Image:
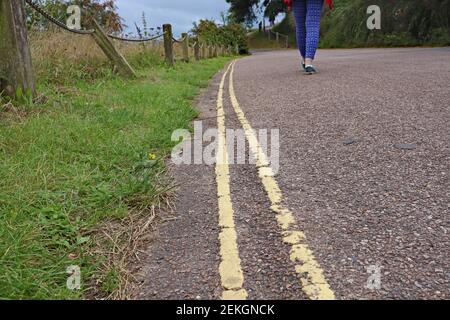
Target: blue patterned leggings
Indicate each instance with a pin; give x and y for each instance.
(307, 15)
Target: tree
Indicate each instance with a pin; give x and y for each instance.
(244, 11)
(273, 8)
(104, 11)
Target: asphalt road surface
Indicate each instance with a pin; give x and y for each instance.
(360, 206)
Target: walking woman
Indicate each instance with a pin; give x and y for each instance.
(307, 15)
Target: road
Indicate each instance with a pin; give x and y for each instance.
(360, 206)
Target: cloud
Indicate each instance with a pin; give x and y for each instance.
(180, 13)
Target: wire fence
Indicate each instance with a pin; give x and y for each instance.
(63, 26)
(17, 47)
(158, 36)
(278, 37)
(49, 17)
(173, 49)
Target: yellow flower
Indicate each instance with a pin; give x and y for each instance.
(151, 156)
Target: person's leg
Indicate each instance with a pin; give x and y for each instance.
(313, 15)
(299, 10)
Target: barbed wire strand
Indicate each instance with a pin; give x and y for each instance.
(180, 40)
(46, 15)
(136, 40)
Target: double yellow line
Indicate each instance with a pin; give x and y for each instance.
(311, 275)
(230, 270)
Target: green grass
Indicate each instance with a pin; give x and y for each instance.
(260, 40)
(82, 160)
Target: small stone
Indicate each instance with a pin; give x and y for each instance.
(349, 141)
(406, 146)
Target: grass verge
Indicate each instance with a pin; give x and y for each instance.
(79, 170)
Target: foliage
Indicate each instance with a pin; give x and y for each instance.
(273, 8)
(243, 11)
(403, 22)
(104, 11)
(230, 34)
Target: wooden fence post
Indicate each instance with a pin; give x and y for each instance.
(185, 46)
(168, 44)
(202, 51)
(111, 52)
(16, 70)
(197, 51)
(210, 51)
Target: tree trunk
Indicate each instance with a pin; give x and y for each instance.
(16, 70)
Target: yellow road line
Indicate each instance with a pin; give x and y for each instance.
(230, 270)
(311, 275)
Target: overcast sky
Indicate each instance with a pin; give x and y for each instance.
(180, 13)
